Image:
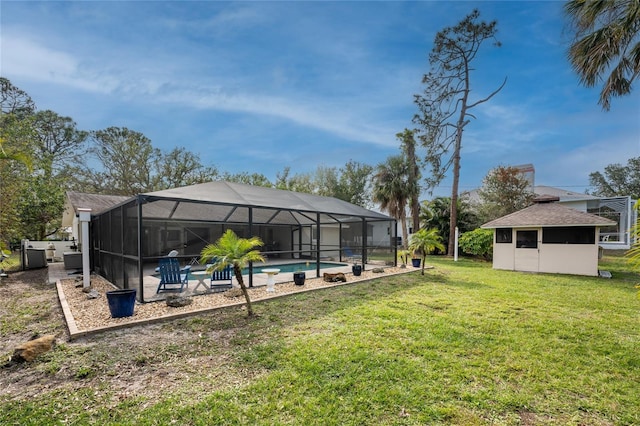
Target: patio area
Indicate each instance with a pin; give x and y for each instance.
(151, 279)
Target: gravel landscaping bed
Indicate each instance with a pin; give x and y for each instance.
(89, 314)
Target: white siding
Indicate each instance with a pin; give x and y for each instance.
(579, 259)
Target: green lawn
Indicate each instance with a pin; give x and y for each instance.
(463, 344)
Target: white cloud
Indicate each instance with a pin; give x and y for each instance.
(21, 56)
(128, 77)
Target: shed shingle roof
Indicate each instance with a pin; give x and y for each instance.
(548, 214)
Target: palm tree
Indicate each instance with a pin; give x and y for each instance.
(235, 251)
(391, 190)
(606, 42)
(408, 146)
(424, 242)
(436, 214)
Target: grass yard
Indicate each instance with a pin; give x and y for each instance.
(463, 344)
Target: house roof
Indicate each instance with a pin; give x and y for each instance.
(540, 190)
(548, 214)
(96, 202)
(563, 194)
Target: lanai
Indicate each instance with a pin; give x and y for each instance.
(137, 232)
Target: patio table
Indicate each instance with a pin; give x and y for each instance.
(201, 276)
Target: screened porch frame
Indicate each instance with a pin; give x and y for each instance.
(122, 257)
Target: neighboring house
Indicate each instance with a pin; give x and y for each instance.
(619, 209)
(548, 237)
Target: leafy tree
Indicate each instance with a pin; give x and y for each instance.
(234, 251)
(126, 159)
(424, 242)
(354, 183)
(40, 207)
(445, 105)
(59, 142)
(297, 183)
(326, 181)
(349, 183)
(392, 191)
(256, 179)
(618, 180)
(180, 167)
(19, 157)
(14, 100)
(408, 146)
(504, 190)
(126, 163)
(478, 242)
(436, 214)
(16, 155)
(14, 170)
(607, 42)
(56, 145)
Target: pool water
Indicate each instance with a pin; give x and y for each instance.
(293, 267)
(284, 268)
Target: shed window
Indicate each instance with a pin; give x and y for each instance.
(504, 235)
(527, 239)
(569, 235)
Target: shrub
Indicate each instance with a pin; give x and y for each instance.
(478, 242)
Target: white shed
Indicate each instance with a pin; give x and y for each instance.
(547, 237)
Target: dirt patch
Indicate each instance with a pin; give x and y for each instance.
(185, 357)
(29, 308)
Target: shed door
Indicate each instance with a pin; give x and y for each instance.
(527, 253)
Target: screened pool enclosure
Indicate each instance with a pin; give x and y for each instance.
(128, 239)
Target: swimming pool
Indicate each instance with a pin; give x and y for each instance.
(293, 267)
(284, 268)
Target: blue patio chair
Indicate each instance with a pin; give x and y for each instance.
(349, 255)
(172, 277)
(221, 276)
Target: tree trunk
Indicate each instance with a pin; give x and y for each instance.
(415, 213)
(414, 173)
(453, 223)
(238, 273)
(453, 219)
(403, 223)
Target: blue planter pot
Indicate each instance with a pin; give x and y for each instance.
(121, 302)
(357, 270)
(416, 262)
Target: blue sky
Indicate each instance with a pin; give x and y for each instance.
(258, 86)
